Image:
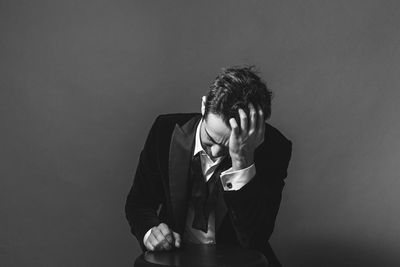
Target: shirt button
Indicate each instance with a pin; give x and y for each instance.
(229, 185)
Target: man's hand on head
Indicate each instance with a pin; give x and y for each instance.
(162, 238)
(246, 138)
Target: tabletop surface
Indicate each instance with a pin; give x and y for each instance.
(203, 255)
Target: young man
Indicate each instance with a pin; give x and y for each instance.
(214, 177)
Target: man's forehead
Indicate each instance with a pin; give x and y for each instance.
(216, 128)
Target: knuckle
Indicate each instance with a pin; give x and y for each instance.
(160, 235)
(168, 234)
(153, 241)
(162, 238)
(157, 236)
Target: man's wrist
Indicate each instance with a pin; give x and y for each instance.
(241, 163)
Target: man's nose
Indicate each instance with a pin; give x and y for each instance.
(217, 151)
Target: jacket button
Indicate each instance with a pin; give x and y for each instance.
(229, 185)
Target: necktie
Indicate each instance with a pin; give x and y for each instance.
(204, 195)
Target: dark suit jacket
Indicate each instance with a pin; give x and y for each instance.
(160, 190)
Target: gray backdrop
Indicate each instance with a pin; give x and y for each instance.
(82, 81)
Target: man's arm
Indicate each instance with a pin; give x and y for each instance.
(253, 207)
(144, 197)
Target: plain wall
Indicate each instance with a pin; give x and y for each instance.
(82, 81)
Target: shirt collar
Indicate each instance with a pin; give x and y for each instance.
(197, 143)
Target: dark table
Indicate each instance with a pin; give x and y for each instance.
(202, 255)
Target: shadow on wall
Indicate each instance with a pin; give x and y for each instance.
(326, 253)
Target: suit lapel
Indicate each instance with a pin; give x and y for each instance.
(180, 156)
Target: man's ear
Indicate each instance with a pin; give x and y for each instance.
(203, 105)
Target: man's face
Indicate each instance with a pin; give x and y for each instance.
(214, 136)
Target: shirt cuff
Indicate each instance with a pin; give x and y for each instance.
(234, 180)
(146, 236)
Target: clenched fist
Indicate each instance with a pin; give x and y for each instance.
(162, 238)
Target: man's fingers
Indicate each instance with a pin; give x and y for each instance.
(152, 243)
(162, 238)
(243, 121)
(177, 238)
(161, 241)
(148, 243)
(166, 245)
(166, 232)
(253, 119)
(234, 126)
(157, 234)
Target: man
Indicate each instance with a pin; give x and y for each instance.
(214, 177)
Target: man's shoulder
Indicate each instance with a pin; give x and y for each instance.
(165, 123)
(274, 154)
(275, 135)
(275, 143)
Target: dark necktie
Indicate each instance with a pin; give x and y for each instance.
(204, 194)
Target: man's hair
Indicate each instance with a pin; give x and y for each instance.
(235, 88)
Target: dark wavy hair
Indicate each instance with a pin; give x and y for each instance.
(235, 88)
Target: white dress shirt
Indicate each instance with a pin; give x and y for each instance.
(231, 181)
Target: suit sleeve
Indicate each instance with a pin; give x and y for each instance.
(254, 207)
(144, 197)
